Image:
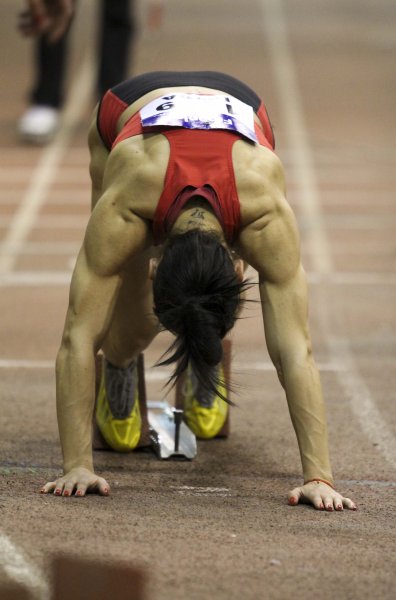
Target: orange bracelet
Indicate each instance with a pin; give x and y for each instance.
(321, 480)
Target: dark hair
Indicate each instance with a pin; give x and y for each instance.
(197, 296)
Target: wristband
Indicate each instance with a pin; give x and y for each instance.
(321, 481)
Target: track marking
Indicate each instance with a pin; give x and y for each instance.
(74, 222)
(300, 154)
(368, 483)
(17, 568)
(45, 173)
(68, 173)
(268, 366)
(362, 403)
(352, 278)
(303, 171)
(62, 278)
(76, 197)
(12, 561)
(157, 373)
(190, 490)
(45, 248)
(35, 278)
(338, 222)
(26, 364)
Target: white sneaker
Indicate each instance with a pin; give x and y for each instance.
(39, 124)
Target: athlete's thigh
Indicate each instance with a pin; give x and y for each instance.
(134, 324)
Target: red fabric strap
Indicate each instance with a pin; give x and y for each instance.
(111, 108)
(204, 192)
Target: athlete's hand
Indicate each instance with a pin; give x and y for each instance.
(51, 17)
(321, 495)
(78, 481)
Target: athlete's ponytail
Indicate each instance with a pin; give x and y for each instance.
(197, 296)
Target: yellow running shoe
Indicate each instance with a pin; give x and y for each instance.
(117, 407)
(204, 413)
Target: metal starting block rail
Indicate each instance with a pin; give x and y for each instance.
(170, 436)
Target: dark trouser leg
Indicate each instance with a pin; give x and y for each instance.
(116, 34)
(50, 63)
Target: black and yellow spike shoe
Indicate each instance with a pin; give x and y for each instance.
(204, 413)
(117, 407)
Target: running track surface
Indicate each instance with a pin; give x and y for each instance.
(219, 527)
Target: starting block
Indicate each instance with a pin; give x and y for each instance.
(163, 428)
(170, 436)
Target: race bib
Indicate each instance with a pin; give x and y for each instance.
(196, 111)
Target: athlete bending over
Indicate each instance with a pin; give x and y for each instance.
(185, 189)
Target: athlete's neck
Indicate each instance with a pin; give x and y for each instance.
(197, 215)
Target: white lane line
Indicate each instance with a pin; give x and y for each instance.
(367, 482)
(294, 122)
(13, 363)
(268, 366)
(12, 561)
(14, 153)
(362, 402)
(17, 568)
(337, 222)
(62, 278)
(362, 222)
(78, 196)
(46, 171)
(158, 373)
(190, 490)
(49, 248)
(352, 278)
(70, 197)
(354, 194)
(35, 278)
(56, 222)
(368, 248)
(67, 174)
(355, 389)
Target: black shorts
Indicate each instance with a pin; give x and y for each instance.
(131, 90)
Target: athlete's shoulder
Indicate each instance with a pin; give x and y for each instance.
(257, 168)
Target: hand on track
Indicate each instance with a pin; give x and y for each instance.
(321, 495)
(78, 481)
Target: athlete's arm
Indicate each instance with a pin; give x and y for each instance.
(271, 246)
(112, 237)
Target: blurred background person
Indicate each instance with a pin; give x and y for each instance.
(50, 21)
(46, 16)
